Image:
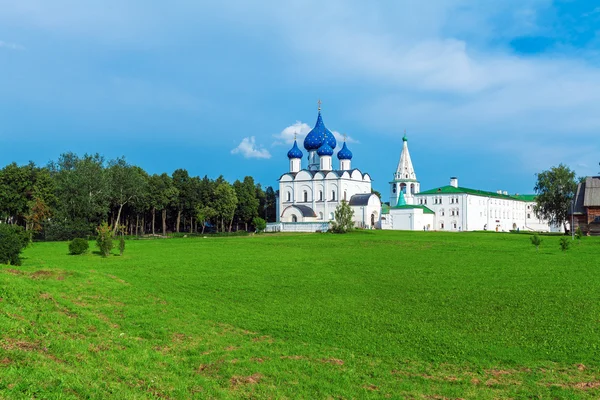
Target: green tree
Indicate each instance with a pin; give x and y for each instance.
(270, 204)
(225, 203)
(555, 189)
(260, 224)
(82, 188)
(247, 202)
(185, 194)
(162, 194)
(343, 218)
(205, 214)
(126, 182)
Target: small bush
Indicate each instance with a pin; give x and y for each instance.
(578, 233)
(342, 222)
(565, 243)
(78, 246)
(13, 239)
(121, 244)
(260, 224)
(536, 240)
(104, 240)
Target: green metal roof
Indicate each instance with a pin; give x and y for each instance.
(526, 197)
(457, 190)
(411, 206)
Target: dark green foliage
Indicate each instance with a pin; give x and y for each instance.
(13, 239)
(61, 229)
(536, 240)
(343, 218)
(555, 189)
(565, 243)
(260, 224)
(78, 246)
(104, 240)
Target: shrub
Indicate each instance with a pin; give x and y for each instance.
(13, 239)
(536, 240)
(78, 246)
(343, 218)
(578, 233)
(104, 240)
(260, 224)
(121, 244)
(565, 243)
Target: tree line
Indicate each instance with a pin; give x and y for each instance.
(70, 197)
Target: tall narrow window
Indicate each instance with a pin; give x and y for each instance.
(305, 196)
(320, 195)
(345, 196)
(289, 196)
(333, 195)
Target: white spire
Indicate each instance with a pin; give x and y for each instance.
(405, 168)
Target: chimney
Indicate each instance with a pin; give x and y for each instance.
(454, 181)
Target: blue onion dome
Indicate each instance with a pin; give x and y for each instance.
(318, 135)
(344, 153)
(295, 152)
(325, 150)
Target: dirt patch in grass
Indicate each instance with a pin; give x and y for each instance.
(41, 274)
(46, 296)
(587, 385)
(259, 359)
(5, 361)
(245, 380)
(293, 357)
(18, 344)
(335, 361)
(13, 271)
(210, 369)
(371, 388)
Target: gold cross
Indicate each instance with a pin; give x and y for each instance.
(295, 135)
(319, 103)
(345, 136)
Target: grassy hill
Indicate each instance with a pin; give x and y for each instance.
(369, 314)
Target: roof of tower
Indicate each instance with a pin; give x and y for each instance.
(325, 149)
(405, 169)
(295, 152)
(344, 153)
(318, 135)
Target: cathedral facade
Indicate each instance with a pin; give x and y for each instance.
(308, 196)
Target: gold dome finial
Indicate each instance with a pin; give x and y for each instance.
(319, 103)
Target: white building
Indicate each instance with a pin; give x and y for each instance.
(308, 197)
(455, 208)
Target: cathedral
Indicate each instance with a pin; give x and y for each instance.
(308, 196)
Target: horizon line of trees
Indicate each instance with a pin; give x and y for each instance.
(73, 195)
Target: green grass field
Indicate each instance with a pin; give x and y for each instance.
(366, 315)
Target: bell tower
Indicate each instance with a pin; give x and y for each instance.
(405, 180)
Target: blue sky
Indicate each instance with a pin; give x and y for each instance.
(491, 92)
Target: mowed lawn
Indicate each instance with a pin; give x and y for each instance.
(365, 315)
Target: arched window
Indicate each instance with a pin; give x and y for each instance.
(321, 216)
(393, 188)
(289, 196)
(331, 216)
(294, 218)
(412, 188)
(305, 194)
(320, 195)
(345, 196)
(333, 195)
(403, 188)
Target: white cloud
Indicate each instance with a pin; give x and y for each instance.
(301, 129)
(249, 149)
(11, 46)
